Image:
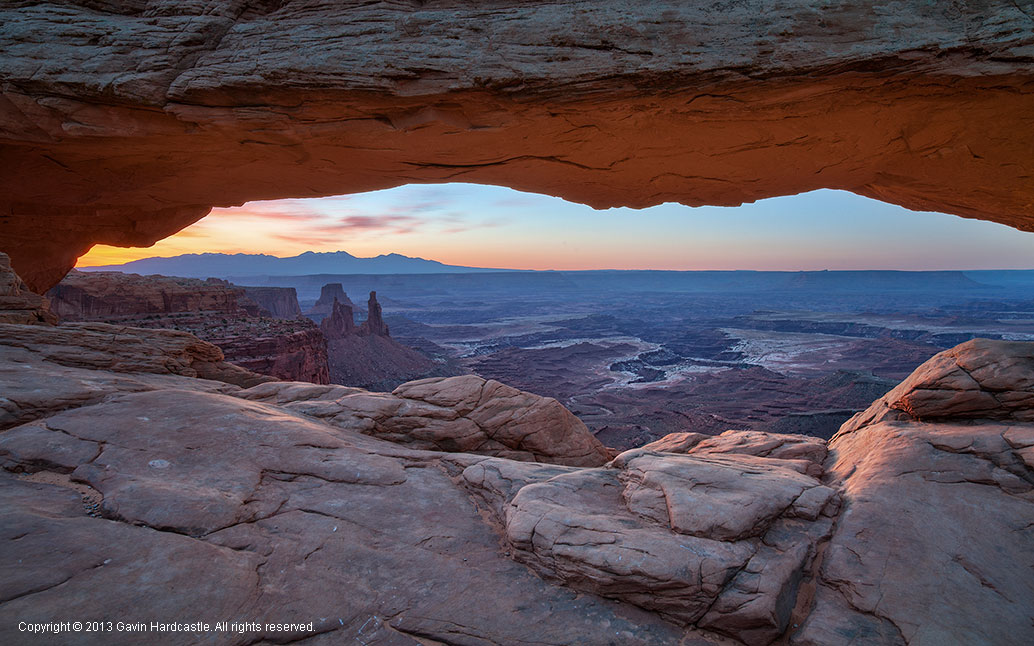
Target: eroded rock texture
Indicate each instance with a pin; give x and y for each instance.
(194, 104)
(280, 302)
(461, 414)
(19, 304)
(938, 479)
(365, 355)
(94, 359)
(324, 305)
(718, 542)
(214, 310)
(143, 478)
(111, 295)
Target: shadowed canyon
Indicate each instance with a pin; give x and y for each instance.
(511, 458)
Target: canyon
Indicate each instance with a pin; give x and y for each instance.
(638, 355)
(259, 328)
(230, 317)
(910, 526)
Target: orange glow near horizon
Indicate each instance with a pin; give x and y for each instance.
(487, 226)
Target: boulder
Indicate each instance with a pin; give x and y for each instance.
(717, 542)
(459, 414)
(979, 379)
(935, 544)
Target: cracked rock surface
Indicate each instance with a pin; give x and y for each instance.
(215, 507)
(132, 489)
(19, 304)
(717, 542)
(462, 414)
(935, 542)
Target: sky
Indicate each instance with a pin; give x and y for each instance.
(491, 226)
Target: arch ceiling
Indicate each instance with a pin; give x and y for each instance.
(123, 122)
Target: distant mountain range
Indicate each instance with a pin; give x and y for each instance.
(221, 265)
(321, 268)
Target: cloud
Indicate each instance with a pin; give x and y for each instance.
(429, 211)
(272, 210)
(372, 223)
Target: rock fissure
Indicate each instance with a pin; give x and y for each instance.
(51, 586)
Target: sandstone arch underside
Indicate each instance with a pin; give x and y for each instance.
(123, 122)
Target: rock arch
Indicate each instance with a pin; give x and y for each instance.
(122, 123)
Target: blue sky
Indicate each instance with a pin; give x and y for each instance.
(489, 226)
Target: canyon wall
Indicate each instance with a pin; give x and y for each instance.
(329, 294)
(198, 104)
(280, 302)
(111, 295)
(214, 310)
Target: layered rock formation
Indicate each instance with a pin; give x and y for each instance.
(324, 306)
(374, 324)
(340, 323)
(18, 304)
(463, 414)
(279, 302)
(371, 516)
(292, 349)
(214, 310)
(112, 295)
(195, 104)
(939, 475)
(365, 355)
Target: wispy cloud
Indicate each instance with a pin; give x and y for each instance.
(275, 210)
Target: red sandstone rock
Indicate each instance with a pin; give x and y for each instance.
(274, 518)
(147, 117)
(466, 413)
(214, 310)
(294, 350)
(112, 295)
(365, 355)
(324, 305)
(17, 303)
(279, 302)
(934, 543)
(979, 379)
(116, 348)
(340, 323)
(801, 452)
(597, 530)
(374, 324)
(121, 473)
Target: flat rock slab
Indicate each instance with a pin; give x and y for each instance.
(219, 508)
